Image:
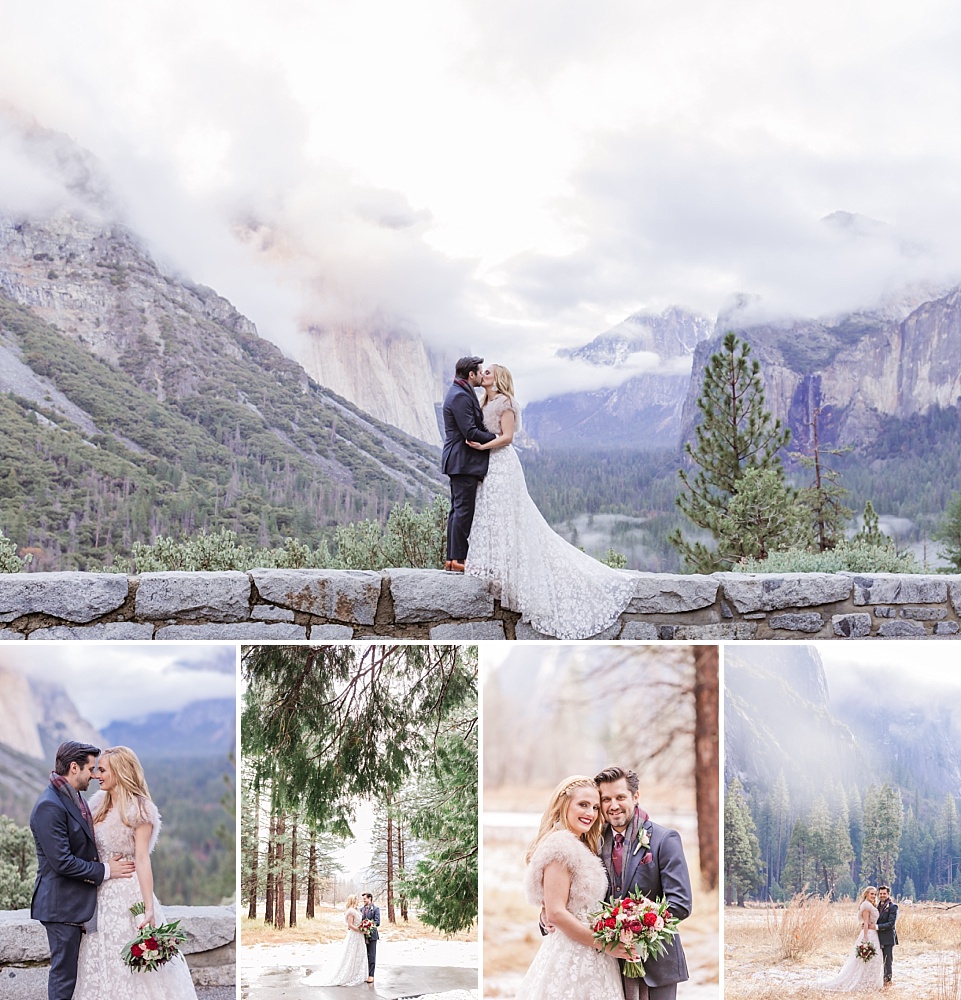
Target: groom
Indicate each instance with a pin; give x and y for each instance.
(371, 912)
(464, 466)
(640, 854)
(68, 868)
(887, 935)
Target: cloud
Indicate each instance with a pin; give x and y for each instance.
(120, 681)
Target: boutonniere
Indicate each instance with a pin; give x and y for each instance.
(643, 839)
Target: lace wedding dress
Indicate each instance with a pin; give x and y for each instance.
(564, 969)
(559, 589)
(101, 974)
(351, 970)
(856, 975)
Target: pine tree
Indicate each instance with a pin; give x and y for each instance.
(798, 870)
(824, 497)
(735, 433)
(883, 820)
(948, 533)
(743, 870)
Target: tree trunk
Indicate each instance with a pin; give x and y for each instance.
(391, 917)
(706, 760)
(271, 837)
(311, 877)
(254, 865)
(292, 918)
(280, 865)
(400, 866)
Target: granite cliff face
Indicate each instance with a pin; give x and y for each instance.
(388, 371)
(652, 401)
(857, 369)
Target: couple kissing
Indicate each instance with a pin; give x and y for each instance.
(595, 844)
(496, 532)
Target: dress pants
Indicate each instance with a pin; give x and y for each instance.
(371, 957)
(64, 942)
(463, 495)
(637, 989)
(887, 950)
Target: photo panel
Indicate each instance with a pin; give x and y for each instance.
(118, 758)
(842, 843)
(359, 821)
(556, 718)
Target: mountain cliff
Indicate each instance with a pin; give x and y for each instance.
(201, 728)
(138, 402)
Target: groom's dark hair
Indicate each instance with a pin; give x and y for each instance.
(615, 773)
(465, 366)
(887, 888)
(72, 751)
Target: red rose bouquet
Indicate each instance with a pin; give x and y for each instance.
(367, 927)
(643, 926)
(865, 951)
(153, 946)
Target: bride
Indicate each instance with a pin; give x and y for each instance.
(126, 823)
(856, 974)
(559, 589)
(567, 879)
(352, 968)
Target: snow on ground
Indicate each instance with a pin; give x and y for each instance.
(462, 954)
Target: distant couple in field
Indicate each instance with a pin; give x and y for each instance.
(612, 885)
(93, 865)
(869, 964)
(495, 530)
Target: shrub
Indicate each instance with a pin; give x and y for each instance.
(799, 927)
(417, 539)
(220, 551)
(850, 555)
(10, 562)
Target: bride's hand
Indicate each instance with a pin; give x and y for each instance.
(475, 444)
(622, 952)
(146, 918)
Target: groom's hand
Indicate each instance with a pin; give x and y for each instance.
(545, 925)
(120, 868)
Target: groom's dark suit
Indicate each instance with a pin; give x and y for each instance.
(65, 892)
(657, 870)
(465, 466)
(371, 912)
(887, 935)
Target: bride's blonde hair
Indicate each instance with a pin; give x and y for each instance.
(130, 786)
(864, 895)
(351, 902)
(504, 383)
(555, 815)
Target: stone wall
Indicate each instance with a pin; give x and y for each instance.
(331, 605)
(210, 948)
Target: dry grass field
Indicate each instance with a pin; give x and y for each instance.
(327, 927)
(773, 953)
(511, 935)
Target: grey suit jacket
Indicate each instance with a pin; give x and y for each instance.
(659, 871)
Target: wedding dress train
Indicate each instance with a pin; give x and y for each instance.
(560, 590)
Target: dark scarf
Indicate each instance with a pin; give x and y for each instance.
(463, 382)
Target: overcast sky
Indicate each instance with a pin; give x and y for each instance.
(509, 177)
(118, 681)
(898, 675)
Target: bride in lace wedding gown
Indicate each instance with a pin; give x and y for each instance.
(567, 879)
(856, 975)
(351, 970)
(559, 589)
(126, 823)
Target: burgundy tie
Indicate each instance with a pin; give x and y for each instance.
(617, 855)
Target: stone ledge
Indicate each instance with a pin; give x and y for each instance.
(336, 606)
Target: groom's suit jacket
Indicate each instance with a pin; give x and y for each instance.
(660, 870)
(464, 421)
(68, 867)
(887, 935)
